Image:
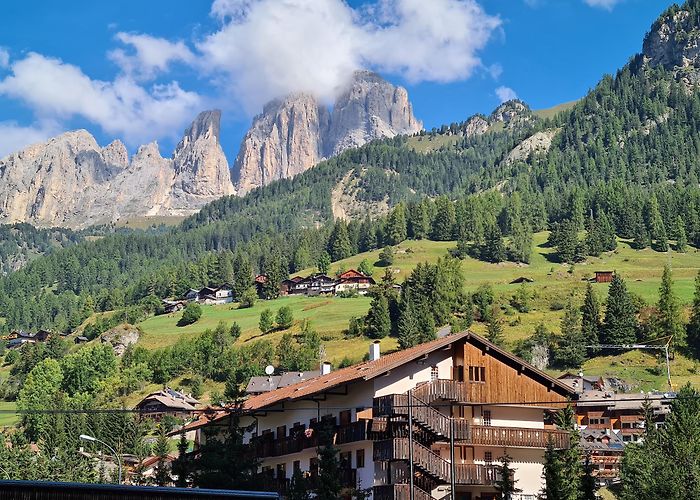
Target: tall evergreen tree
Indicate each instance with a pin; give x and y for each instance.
(444, 220)
(494, 328)
(395, 231)
(329, 484)
(505, 484)
(668, 320)
(378, 321)
(681, 236)
(274, 267)
(161, 449)
(620, 324)
(693, 328)
(520, 248)
(571, 350)
(339, 246)
(590, 317)
(493, 249)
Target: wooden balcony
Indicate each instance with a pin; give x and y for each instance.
(449, 390)
(428, 462)
(516, 437)
(267, 446)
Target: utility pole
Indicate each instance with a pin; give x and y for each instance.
(626, 347)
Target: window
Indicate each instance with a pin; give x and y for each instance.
(486, 418)
(360, 458)
(477, 374)
(488, 457)
(281, 432)
(297, 465)
(281, 471)
(313, 466)
(345, 460)
(434, 374)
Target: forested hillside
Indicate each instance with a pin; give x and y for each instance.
(627, 154)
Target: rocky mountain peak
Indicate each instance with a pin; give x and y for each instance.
(294, 133)
(511, 112)
(71, 181)
(206, 125)
(674, 42)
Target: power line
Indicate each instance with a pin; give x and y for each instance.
(666, 398)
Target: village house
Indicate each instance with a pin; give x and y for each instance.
(603, 276)
(469, 402)
(621, 413)
(167, 402)
(354, 280)
(222, 294)
(18, 338)
(580, 382)
(258, 385)
(604, 449)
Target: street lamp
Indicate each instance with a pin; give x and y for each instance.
(85, 437)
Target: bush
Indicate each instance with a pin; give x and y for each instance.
(557, 305)
(285, 318)
(355, 327)
(191, 314)
(348, 294)
(235, 331)
(386, 257)
(266, 321)
(248, 298)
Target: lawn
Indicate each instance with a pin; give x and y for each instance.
(328, 315)
(7, 419)
(554, 285)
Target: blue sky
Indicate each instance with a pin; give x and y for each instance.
(139, 71)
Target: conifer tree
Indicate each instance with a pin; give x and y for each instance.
(593, 242)
(329, 485)
(620, 324)
(367, 238)
(323, 263)
(418, 223)
(589, 483)
(571, 350)
(520, 248)
(668, 320)
(395, 231)
(606, 232)
(505, 484)
(242, 275)
(641, 236)
(590, 317)
(339, 246)
(493, 249)
(266, 323)
(444, 220)
(693, 328)
(274, 267)
(378, 321)
(299, 488)
(161, 450)
(408, 327)
(494, 328)
(681, 236)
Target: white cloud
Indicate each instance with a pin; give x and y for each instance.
(495, 70)
(57, 91)
(602, 4)
(149, 55)
(506, 94)
(14, 137)
(4, 57)
(269, 48)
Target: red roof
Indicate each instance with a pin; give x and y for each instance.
(352, 273)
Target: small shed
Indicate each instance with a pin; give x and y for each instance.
(604, 276)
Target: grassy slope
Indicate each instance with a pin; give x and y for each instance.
(7, 419)
(553, 283)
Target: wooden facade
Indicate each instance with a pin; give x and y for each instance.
(492, 376)
(604, 276)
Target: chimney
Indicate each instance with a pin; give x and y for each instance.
(325, 368)
(374, 353)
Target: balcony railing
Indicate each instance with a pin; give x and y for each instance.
(267, 446)
(431, 463)
(449, 390)
(517, 437)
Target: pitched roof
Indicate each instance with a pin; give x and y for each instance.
(368, 371)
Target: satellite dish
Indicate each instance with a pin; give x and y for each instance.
(269, 369)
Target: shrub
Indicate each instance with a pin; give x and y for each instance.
(386, 257)
(248, 298)
(266, 321)
(191, 314)
(285, 318)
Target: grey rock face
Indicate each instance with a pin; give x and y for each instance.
(512, 114)
(70, 181)
(294, 134)
(674, 43)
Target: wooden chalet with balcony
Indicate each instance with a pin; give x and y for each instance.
(435, 418)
